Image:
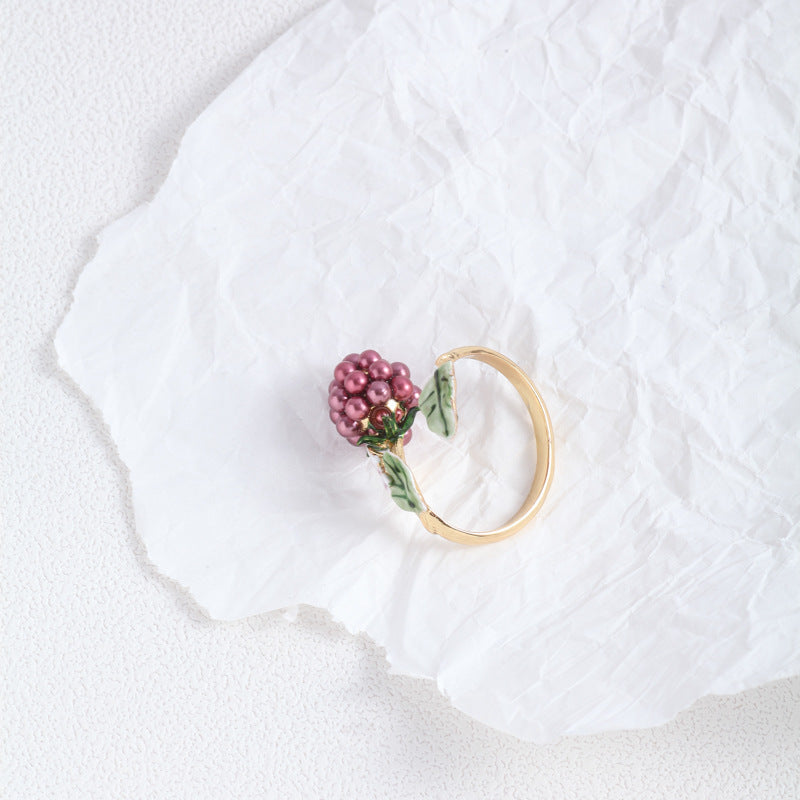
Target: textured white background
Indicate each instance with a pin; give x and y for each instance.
(114, 685)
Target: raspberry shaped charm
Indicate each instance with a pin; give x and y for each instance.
(372, 401)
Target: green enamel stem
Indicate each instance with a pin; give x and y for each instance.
(394, 435)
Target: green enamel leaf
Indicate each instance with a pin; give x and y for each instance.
(437, 401)
(401, 484)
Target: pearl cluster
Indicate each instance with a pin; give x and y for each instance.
(364, 390)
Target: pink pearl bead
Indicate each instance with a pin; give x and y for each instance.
(399, 368)
(377, 415)
(342, 370)
(337, 399)
(413, 401)
(352, 358)
(380, 370)
(356, 408)
(353, 440)
(402, 388)
(367, 358)
(356, 382)
(334, 384)
(347, 427)
(378, 392)
(335, 416)
(407, 438)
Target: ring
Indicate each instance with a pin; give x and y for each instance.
(373, 403)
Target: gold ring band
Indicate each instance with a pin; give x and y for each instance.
(543, 431)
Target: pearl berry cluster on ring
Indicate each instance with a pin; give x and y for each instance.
(365, 390)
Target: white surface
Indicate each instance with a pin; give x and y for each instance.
(419, 175)
(114, 685)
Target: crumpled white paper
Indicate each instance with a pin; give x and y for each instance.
(605, 194)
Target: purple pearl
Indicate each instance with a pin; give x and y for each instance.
(353, 440)
(356, 382)
(342, 370)
(335, 416)
(377, 415)
(347, 427)
(380, 370)
(368, 357)
(378, 392)
(356, 408)
(352, 358)
(399, 368)
(337, 399)
(402, 388)
(413, 401)
(334, 384)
